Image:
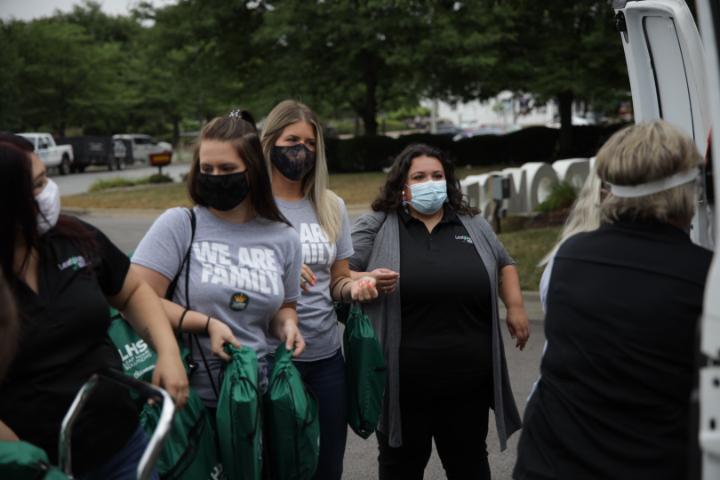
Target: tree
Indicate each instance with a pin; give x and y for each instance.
(563, 50)
(342, 54)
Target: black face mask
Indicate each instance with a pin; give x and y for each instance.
(223, 192)
(293, 162)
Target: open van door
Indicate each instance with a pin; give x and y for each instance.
(709, 18)
(666, 66)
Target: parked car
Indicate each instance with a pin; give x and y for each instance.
(94, 150)
(143, 145)
(52, 155)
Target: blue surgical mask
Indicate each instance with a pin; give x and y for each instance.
(428, 197)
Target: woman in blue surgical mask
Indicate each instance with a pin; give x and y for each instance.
(438, 319)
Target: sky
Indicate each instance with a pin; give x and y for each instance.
(30, 9)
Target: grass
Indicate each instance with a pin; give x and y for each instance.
(357, 189)
(528, 247)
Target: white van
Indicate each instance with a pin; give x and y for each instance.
(675, 75)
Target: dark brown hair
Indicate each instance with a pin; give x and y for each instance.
(389, 199)
(243, 136)
(18, 208)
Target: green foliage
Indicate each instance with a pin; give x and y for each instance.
(159, 178)
(122, 182)
(168, 69)
(562, 196)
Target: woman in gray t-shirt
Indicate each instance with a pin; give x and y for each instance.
(245, 260)
(293, 146)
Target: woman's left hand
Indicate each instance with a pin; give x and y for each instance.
(518, 326)
(290, 334)
(170, 374)
(363, 289)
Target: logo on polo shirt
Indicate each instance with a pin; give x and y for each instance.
(239, 301)
(464, 238)
(76, 263)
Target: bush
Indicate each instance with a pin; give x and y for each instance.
(111, 183)
(562, 196)
(159, 178)
(531, 144)
(128, 182)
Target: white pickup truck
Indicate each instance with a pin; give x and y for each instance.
(52, 155)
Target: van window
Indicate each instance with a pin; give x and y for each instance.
(671, 82)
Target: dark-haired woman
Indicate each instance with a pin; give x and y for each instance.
(438, 320)
(63, 273)
(244, 258)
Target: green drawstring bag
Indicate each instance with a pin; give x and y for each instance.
(138, 359)
(292, 418)
(239, 417)
(23, 461)
(365, 372)
(190, 451)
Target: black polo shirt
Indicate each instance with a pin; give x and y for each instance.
(445, 301)
(63, 341)
(614, 398)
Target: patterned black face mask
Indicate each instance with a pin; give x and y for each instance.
(293, 162)
(223, 192)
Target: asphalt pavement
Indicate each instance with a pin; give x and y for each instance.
(80, 182)
(126, 228)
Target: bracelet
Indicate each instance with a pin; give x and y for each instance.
(207, 325)
(182, 319)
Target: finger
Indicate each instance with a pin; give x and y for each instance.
(233, 341)
(299, 346)
(305, 286)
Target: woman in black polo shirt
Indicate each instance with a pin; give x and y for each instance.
(438, 319)
(62, 274)
(613, 401)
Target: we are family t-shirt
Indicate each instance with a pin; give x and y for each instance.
(239, 273)
(318, 322)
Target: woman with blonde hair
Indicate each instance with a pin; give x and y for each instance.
(292, 141)
(584, 217)
(613, 400)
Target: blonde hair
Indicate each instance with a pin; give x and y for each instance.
(644, 153)
(314, 185)
(585, 213)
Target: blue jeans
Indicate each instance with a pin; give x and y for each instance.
(123, 465)
(326, 379)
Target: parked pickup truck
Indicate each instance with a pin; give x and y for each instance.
(52, 155)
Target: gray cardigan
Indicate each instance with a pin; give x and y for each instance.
(376, 239)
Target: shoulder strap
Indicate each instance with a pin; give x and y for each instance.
(186, 261)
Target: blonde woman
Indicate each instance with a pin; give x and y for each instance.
(584, 217)
(293, 145)
(614, 397)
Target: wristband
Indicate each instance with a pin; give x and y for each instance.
(207, 325)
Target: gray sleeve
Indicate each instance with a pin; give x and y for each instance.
(293, 265)
(503, 257)
(363, 239)
(344, 244)
(164, 245)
